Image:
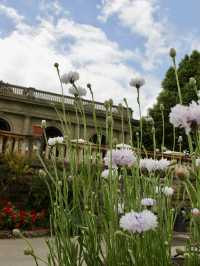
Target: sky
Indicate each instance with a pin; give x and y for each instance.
(107, 41)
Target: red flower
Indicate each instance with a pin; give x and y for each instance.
(22, 216)
(33, 216)
(8, 210)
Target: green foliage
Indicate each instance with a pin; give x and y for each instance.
(188, 67)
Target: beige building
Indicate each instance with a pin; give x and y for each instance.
(22, 109)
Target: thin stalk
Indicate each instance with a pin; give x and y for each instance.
(177, 80)
(140, 114)
(129, 122)
(163, 132)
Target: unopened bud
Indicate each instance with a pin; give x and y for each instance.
(43, 124)
(42, 173)
(192, 81)
(181, 172)
(180, 139)
(109, 121)
(16, 232)
(162, 107)
(172, 53)
(28, 252)
(56, 65)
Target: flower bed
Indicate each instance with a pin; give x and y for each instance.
(12, 217)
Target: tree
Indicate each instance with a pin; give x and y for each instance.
(188, 67)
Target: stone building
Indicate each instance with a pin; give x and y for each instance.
(22, 109)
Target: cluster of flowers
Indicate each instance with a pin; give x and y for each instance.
(185, 116)
(121, 157)
(10, 217)
(138, 222)
(167, 191)
(154, 165)
(54, 141)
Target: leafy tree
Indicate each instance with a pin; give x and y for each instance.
(188, 67)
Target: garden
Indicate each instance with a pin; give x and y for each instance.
(118, 210)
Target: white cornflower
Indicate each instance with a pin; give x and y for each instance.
(106, 172)
(195, 212)
(137, 82)
(167, 191)
(148, 202)
(122, 157)
(79, 91)
(123, 146)
(152, 165)
(55, 140)
(138, 222)
(70, 77)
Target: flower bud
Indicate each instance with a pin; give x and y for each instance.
(110, 102)
(16, 232)
(43, 124)
(42, 173)
(28, 252)
(192, 81)
(109, 121)
(56, 65)
(180, 139)
(60, 183)
(162, 107)
(172, 53)
(181, 172)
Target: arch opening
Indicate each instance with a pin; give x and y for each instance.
(4, 125)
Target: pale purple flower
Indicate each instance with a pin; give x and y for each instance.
(179, 117)
(185, 116)
(167, 191)
(152, 165)
(70, 77)
(122, 157)
(79, 91)
(195, 212)
(138, 222)
(148, 202)
(106, 172)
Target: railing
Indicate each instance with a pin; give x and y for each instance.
(7, 89)
(26, 145)
(29, 146)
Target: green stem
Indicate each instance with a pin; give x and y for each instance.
(177, 81)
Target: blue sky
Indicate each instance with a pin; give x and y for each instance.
(107, 41)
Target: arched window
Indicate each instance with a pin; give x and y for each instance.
(52, 132)
(4, 125)
(94, 139)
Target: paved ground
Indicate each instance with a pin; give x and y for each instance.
(12, 251)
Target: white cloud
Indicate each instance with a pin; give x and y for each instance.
(11, 13)
(141, 17)
(29, 52)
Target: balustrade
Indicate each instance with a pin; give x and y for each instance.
(38, 95)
